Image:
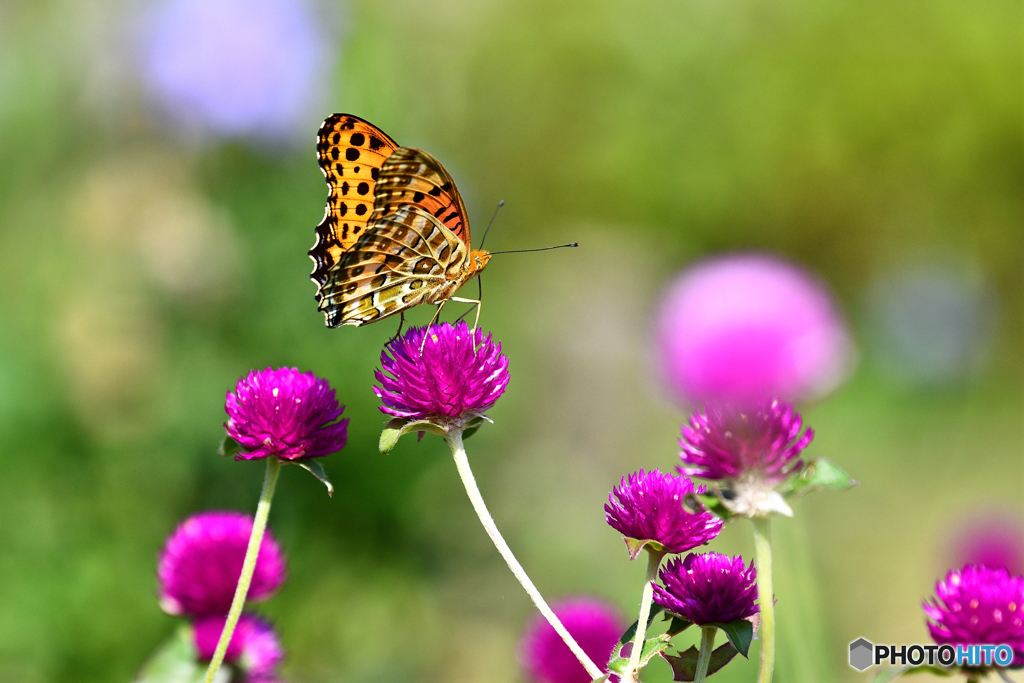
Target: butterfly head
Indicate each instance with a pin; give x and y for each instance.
(478, 258)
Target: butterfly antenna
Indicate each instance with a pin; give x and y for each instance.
(493, 216)
(523, 251)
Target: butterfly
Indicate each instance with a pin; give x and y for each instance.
(395, 232)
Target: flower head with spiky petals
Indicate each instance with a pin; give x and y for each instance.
(451, 378)
(753, 446)
(254, 646)
(978, 605)
(708, 588)
(286, 413)
(202, 560)
(648, 509)
(592, 623)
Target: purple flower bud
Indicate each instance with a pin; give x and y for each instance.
(254, 645)
(592, 623)
(729, 442)
(235, 67)
(978, 605)
(202, 560)
(750, 325)
(459, 374)
(285, 413)
(708, 588)
(650, 509)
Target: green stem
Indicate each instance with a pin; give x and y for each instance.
(766, 601)
(653, 562)
(707, 645)
(259, 526)
(454, 439)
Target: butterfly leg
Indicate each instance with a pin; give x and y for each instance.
(401, 322)
(475, 302)
(432, 320)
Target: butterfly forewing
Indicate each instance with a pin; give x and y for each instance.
(400, 262)
(351, 152)
(413, 177)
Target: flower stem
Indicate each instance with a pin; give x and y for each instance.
(454, 439)
(766, 597)
(707, 645)
(259, 526)
(653, 562)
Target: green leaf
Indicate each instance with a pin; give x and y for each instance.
(677, 626)
(652, 646)
(470, 431)
(820, 473)
(887, 675)
(175, 662)
(314, 468)
(684, 667)
(709, 502)
(634, 546)
(630, 633)
(229, 448)
(398, 427)
(739, 632)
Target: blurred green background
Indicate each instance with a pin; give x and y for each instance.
(141, 276)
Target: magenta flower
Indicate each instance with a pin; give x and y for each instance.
(458, 375)
(202, 560)
(743, 326)
(650, 510)
(236, 67)
(254, 646)
(286, 413)
(978, 606)
(592, 623)
(708, 588)
(994, 540)
(730, 442)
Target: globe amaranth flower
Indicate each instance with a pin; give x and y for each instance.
(995, 540)
(456, 377)
(235, 67)
(286, 413)
(708, 588)
(743, 326)
(648, 507)
(753, 447)
(202, 560)
(978, 605)
(593, 624)
(254, 646)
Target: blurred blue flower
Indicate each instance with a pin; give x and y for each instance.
(235, 67)
(933, 322)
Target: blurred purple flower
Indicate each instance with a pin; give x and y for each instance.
(727, 441)
(978, 606)
(458, 375)
(708, 588)
(650, 509)
(236, 67)
(995, 540)
(594, 625)
(744, 326)
(202, 560)
(284, 413)
(254, 646)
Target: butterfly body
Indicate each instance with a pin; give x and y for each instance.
(395, 232)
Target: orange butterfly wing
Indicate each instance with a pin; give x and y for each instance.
(360, 161)
(351, 152)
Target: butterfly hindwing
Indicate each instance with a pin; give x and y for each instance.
(350, 152)
(413, 177)
(398, 263)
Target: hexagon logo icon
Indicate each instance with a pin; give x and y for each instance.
(861, 654)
